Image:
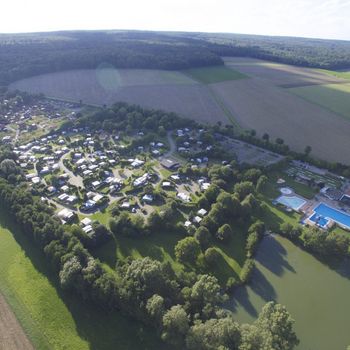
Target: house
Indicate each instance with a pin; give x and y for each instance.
(136, 163)
(197, 219)
(86, 222)
(147, 198)
(187, 223)
(72, 199)
(51, 189)
(183, 196)
(97, 198)
(96, 184)
(66, 215)
(36, 180)
(89, 204)
(170, 164)
(166, 184)
(125, 205)
(141, 181)
(88, 229)
(64, 188)
(63, 197)
(202, 212)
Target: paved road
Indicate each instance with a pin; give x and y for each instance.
(73, 179)
(171, 144)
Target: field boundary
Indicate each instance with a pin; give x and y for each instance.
(289, 90)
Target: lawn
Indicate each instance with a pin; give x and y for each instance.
(217, 74)
(271, 191)
(160, 246)
(54, 319)
(334, 97)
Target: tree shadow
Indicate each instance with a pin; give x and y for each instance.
(101, 329)
(273, 256)
(241, 298)
(262, 287)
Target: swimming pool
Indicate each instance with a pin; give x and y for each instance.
(336, 215)
(293, 202)
(319, 220)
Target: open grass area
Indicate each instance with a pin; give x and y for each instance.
(271, 191)
(54, 319)
(209, 75)
(160, 246)
(334, 97)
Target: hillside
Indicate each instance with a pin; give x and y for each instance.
(25, 55)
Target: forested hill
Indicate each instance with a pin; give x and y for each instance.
(24, 55)
(317, 53)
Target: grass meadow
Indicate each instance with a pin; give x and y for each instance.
(53, 319)
(216, 74)
(160, 246)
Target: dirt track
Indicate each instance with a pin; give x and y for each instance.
(12, 336)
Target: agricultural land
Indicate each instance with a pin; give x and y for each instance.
(292, 103)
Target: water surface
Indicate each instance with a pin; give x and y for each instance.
(317, 296)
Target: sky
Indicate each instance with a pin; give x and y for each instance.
(329, 19)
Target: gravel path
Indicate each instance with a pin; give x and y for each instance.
(12, 336)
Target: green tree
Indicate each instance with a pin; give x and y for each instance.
(155, 307)
(224, 233)
(276, 326)
(187, 250)
(175, 325)
(202, 235)
(214, 334)
(211, 256)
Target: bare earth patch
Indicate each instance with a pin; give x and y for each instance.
(169, 91)
(280, 74)
(12, 336)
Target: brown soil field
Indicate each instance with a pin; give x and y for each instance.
(259, 102)
(169, 91)
(267, 108)
(12, 336)
(280, 74)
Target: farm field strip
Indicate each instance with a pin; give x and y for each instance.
(258, 102)
(12, 336)
(333, 97)
(267, 108)
(209, 75)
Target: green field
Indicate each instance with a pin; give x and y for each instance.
(160, 246)
(334, 97)
(338, 74)
(54, 319)
(210, 75)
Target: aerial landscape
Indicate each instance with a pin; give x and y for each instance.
(171, 187)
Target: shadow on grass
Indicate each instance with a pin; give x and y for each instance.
(102, 330)
(223, 271)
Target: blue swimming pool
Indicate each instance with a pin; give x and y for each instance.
(293, 202)
(319, 220)
(336, 215)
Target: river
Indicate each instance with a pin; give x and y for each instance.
(317, 297)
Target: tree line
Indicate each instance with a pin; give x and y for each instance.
(27, 55)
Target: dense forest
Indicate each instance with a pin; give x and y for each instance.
(24, 55)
